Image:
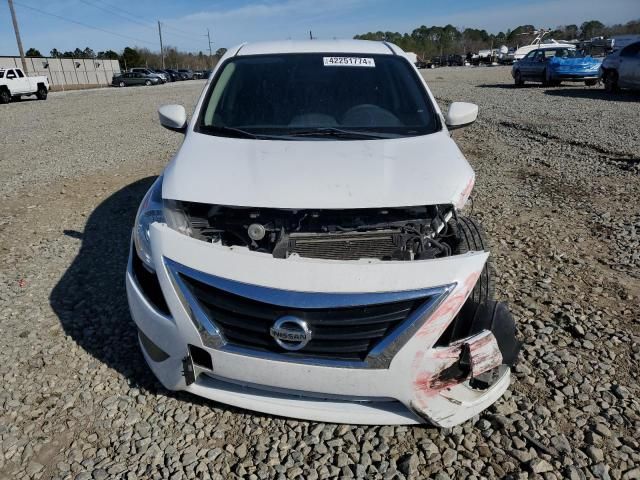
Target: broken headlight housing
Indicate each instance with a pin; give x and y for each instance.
(150, 211)
(176, 217)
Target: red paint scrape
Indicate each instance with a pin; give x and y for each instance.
(440, 319)
(464, 195)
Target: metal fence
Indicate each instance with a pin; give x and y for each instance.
(68, 73)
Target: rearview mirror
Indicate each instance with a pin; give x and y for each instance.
(173, 117)
(461, 114)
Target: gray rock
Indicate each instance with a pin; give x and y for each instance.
(595, 454)
(540, 465)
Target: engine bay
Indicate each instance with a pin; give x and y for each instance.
(405, 233)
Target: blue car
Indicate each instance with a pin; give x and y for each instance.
(552, 65)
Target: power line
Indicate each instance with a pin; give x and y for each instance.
(82, 24)
(86, 2)
(135, 18)
(178, 30)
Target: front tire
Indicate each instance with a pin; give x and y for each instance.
(611, 82)
(472, 237)
(148, 83)
(122, 84)
(41, 94)
(517, 78)
(5, 96)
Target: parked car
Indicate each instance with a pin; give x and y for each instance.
(455, 60)
(553, 65)
(175, 75)
(128, 79)
(421, 63)
(306, 247)
(186, 74)
(150, 72)
(14, 84)
(164, 75)
(621, 68)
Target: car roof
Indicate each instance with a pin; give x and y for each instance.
(319, 46)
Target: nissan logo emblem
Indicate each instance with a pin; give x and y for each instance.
(291, 333)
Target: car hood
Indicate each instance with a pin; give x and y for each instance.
(295, 174)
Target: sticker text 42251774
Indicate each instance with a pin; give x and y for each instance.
(348, 62)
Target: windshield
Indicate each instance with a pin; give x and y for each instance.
(317, 95)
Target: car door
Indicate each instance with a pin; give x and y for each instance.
(129, 78)
(12, 82)
(524, 64)
(629, 66)
(538, 65)
(22, 81)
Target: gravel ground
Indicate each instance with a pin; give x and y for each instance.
(557, 189)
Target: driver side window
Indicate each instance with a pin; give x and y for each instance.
(11, 75)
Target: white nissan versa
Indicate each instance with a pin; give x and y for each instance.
(304, 253)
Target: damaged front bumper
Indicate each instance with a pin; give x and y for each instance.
(409, 378)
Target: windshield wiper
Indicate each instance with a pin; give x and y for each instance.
(312, 132)
(335, 132)
(227, 131)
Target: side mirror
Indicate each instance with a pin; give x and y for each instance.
(173, 117)
(461, 114)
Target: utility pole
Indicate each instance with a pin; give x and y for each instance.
(310, 35)
(210, 53)
(161, 49)
(17, 30)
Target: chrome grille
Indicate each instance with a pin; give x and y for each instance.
(347, 333)
(349, 330)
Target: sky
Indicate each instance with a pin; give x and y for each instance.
(114, 24)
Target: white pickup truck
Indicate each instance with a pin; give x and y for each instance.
(14, 83)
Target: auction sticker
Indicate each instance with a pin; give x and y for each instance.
(348, 62)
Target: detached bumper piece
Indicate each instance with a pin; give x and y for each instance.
(491, 342)
(472, 363)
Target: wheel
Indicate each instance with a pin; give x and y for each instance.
(148, 83)
(590, 83)
(472, 316)
(517, 78)
(471, 237)
(122, 84)
(5, 96)
(41, 93)
(611, 82)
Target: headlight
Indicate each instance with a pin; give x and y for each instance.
(150, 211)
(176, 217)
